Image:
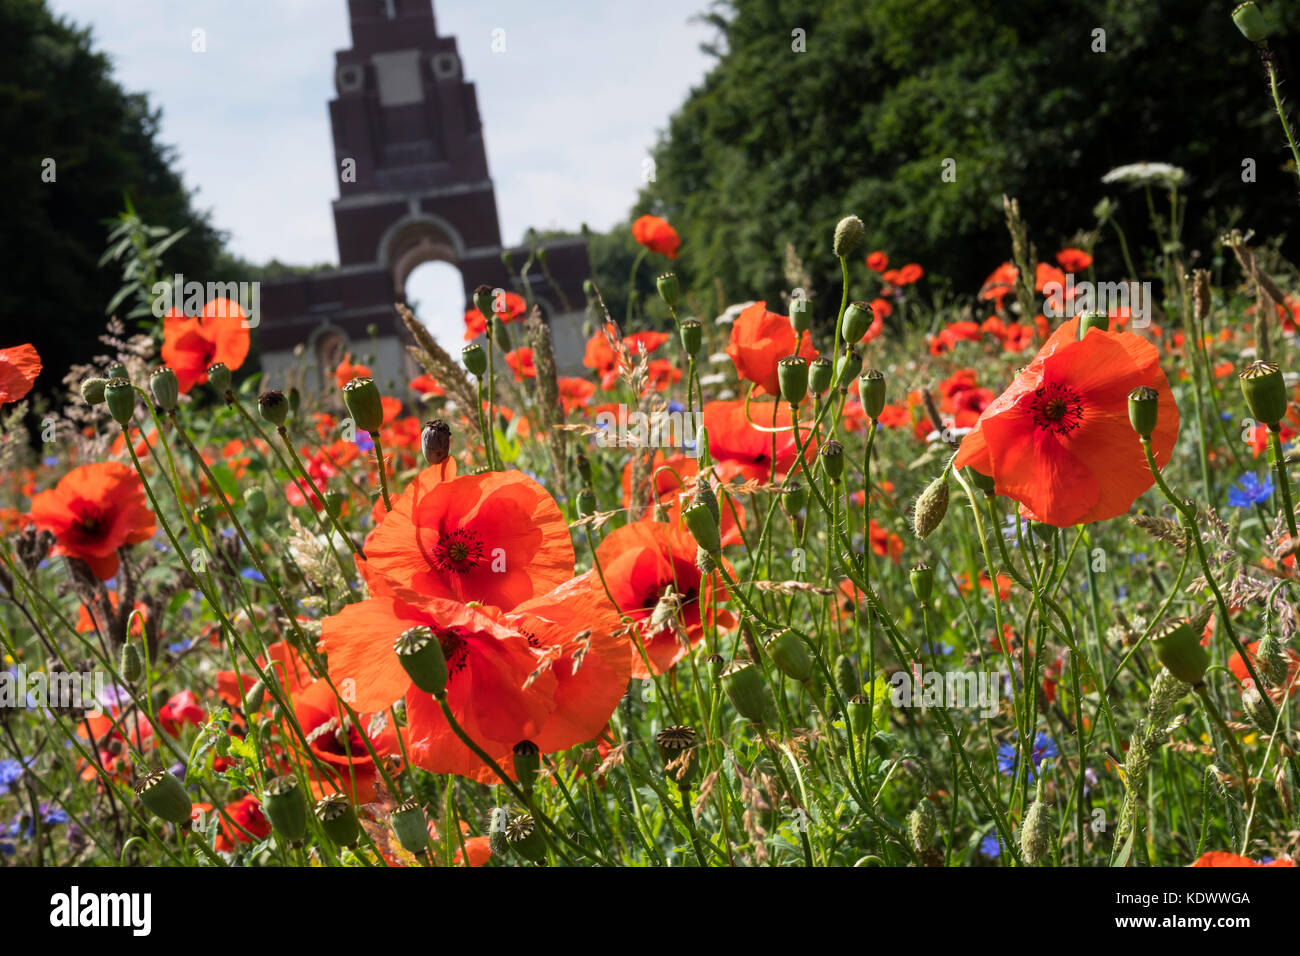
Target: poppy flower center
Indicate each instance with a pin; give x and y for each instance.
(454, 650)
(89, 518)
(459, 552)
(1056, 408)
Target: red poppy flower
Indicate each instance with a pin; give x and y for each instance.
(1000, 283)
(180, 709)
(641, 562)
(498, 538)
(1238, 667)
(348, 370)
(760, 339)
(93, 511)
(575, 393)
(741, 449)
(426, 385)
(656, 235)
(912, 272)
(603, 358)
(339, 745)
(885, 543)
(19, 367)
(877, 261)
(1073, 260)
(191, 346)
(1058, 440)
(1224, 858)
(520, 361)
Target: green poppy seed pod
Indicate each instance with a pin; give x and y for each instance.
(980, 480)
(930, 508)
(846, 677)
(820, 372)
(1036, 830)
(1271, 662)
(717, 664)
(692, 336)
(120, 397)
(255, 697)
(792, 373)
(800, 315)
(164, 796)
(586, 503)
(526, 839)
(255, 505)
(499, 332)
(745, 687)
(832, 458)
(92, 390)
(849, 234)
(1043, 531)
(1252, 702)
(794, 497)
(1179, 650)
(208, 516)
(528, 760)
(1251, 22)
(219, 378)
(1143, 410)
(674, 744)
(164, 388)
(857, 320)
(131, 665)
(474, 359)
(483, 301)
(117, 370)
(411, 826)
(338, 819)
(295, 399)
(790, 654)
(859, 713)
(435, 441)
(922, 823)
(361, 396)
(704, 496)
(847, 369)
(273, 407)
(871, 389)
(583, 464)
(285, 808)
(1265, 392)
(922, 578)
(669, 290)
(702, 523)
(1092, 320)
(420, 653)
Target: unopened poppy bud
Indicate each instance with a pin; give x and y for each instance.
(792, 373)
(1043, 531)
(255, 697)
(435, 441)
(586, 503)
(285, 808)
(847, 369)
(164, 388)
(675, 746)
(800, 315)
(930, 508)
(117, 370)
(857, 320)
(528, 760)
(361, 396)
(820, 372)
(1265, 391)
(131, 666)
(871, 389)
(525, 838)
(790, 655)
(922, 578)
(703, 526)
(705, 561)
(120, 397)
(255, 505)
(846, 677)
(208, 516)
(1143, 410)
(1036, 830)
(704, 496)
(583, 464)
(497, 833)
(273, 407)
(668, 288)
(859, 713)
(92, 390)
(1092, 320)
(1251, 22)
(411, 825)
(164, 796)
(1179, 650)
(922, 823)
(338, 819)
(794, 497)
(334, 502)
(748, 692)
(420, 653)
(692, 335)
(832, 459)
(848, 236)
(475, 359)
(1252, 702)
(219, 377)
(1271, 661)
(295, 399)
(484, 300)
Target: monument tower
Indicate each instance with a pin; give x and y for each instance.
(414, 187)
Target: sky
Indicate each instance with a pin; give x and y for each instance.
(570, 108)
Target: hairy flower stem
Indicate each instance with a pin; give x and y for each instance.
(1284, 485)
(1204, 694)
(383, 472)
(333, 519)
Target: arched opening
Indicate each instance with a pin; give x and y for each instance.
(435, 292)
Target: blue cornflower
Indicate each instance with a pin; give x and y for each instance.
(676, 406)
(50, 461)
(1249, 491)
(364, 441)
(990, 846)
(180, 646)
(1011, 522)
(10, 771)
(251, 574)
(1044, 749)
(938, 648)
